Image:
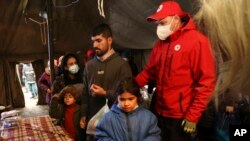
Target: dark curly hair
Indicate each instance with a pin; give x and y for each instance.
(68, 89)
(78, 75)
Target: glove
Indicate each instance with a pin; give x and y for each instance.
(188, 127)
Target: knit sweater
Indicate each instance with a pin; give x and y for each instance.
(69, 120)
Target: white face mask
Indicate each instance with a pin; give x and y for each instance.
(74, 69)
(163, 31)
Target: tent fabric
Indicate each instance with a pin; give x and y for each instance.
(11, 91)
(23, 32)
(39, 66)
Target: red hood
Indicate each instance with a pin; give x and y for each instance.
(189, 26)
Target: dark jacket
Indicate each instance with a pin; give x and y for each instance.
(57, 109)
(138, 125)
(60, 82)
(105, 74)
(79, 131)
(55, 105)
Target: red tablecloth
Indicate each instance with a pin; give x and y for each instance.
(37, 129)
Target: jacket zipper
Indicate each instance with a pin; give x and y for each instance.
(170, 64)
(180, 100)
(164, 70)
(129, 128)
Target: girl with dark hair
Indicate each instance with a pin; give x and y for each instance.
(71, 75)
(71, 69)
(126, 120)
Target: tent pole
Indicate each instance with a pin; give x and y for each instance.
(50, 39)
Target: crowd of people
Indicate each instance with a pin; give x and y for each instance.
(184, 67)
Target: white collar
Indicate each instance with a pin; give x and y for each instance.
(131, 111)
(106, 55)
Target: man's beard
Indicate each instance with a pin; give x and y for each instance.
(99, 53)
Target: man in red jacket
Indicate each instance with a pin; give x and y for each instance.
(183, 66)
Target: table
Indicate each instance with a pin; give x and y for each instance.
(37, 129)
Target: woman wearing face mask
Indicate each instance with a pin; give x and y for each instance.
(182, 64)
(71, 75)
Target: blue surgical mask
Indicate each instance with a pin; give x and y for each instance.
(74, 69)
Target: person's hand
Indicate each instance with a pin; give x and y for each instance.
(56, 96)
(48, 91)
(83, 122)
(97, 90)
(91, 125)
(229, 109)
(188, 127)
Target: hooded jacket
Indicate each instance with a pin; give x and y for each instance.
(106, 74)
(138, 125)
(184, 70)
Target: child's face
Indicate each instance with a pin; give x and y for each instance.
(127, 101)
(69, 99)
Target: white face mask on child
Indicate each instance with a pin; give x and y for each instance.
(163, 31)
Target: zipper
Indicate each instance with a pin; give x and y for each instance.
(164, 69)
(129, 128)
(170, 64)
(180, 102)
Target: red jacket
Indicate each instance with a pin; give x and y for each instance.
(183, 67)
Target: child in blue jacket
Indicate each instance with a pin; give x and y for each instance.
(126, 120)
